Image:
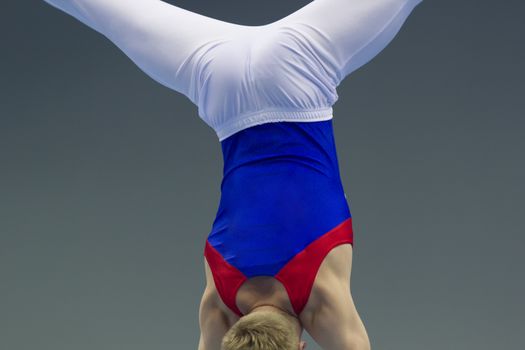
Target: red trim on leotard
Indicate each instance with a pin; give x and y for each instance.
(227, 278)
(298, 275)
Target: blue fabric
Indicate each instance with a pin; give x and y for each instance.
(281, 189)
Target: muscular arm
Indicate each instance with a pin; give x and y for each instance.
(331, 317)
(213, 322)
(337, 325)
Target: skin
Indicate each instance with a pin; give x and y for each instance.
(330, 316)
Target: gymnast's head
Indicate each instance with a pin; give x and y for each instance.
(265, 328)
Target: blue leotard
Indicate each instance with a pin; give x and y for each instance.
(282, 208)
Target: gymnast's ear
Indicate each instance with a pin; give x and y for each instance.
(302, 345)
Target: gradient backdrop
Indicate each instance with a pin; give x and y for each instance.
(109, 184)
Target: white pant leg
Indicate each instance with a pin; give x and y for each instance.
(350, 32)
(321, 43)
(155, 35)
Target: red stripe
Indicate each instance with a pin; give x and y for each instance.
(298, 275)
(227, 278)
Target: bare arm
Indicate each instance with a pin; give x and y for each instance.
(337, 325)
(213, 322)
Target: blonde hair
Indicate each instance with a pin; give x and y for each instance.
(262, 330)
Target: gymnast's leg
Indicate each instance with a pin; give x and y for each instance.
(155, 35)
(162, 38)
(346, 34)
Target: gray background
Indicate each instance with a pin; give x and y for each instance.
(109, 184)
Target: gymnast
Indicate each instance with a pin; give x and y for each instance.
(278, 257)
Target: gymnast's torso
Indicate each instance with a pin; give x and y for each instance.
(282, 209)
